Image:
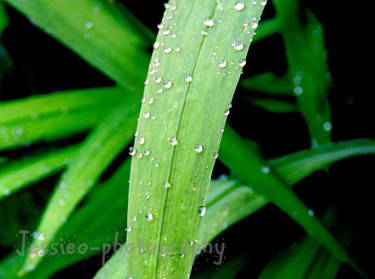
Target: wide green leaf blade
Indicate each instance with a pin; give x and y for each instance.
(191, 76)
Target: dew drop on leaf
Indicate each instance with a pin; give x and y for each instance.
(198, 148)
(239, 6)
(222, 63)
(202, 211)
(238, 45)
(149, 216)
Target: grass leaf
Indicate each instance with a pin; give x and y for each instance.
(18, 174)
(182, 145)
(263, 180)
(47, 117)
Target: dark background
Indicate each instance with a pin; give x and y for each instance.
(43, 65)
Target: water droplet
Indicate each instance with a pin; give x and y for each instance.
(202, 211)
(226, 113)
(189, 79)
(149, 216)
(140, 156)
(239, 6)
(178, 49)
(141, 140)
(204, 33)
(266, 169)
(150, 101)
(132, 151)
(216, 155)
(198, 148)
(167, 84)
(327, 126)
(89, 25)
(157, 79)
(147, 195)
(147, 152)
(128, 229)
(263, 3)
(160, 90)
(146, 115)
(173, 141)
(191, 243)
(254, 25)
(298, 90)
(311, 212)
(152, 71)
(209, 22)
(41, 253)
(146, 81)
(134, 218)
(148, 183)
(242, 63)
(168, 50)
(222, 63)
(166, 31)
(238, 45)
(160, 26)
(156, 45)
(167, 184)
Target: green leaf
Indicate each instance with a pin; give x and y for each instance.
(305, 259)
(97, 31)
(267, 28)
(308, 69)
(269, 83)
(3, 18)
(228, 270)
(47, 117)
(294, 167)
(252, 169)
(18, 174)
(99, 149)
(274, 105)
(195, 84)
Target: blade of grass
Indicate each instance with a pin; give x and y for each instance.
(304, 259)
(196, 84)
(274, 105)
(54, 116)
(294, 167)
(308, 69)
(264, 181)
(94, 29)
(267, 28)
(18, 174)
(99, 149)
(269, 83)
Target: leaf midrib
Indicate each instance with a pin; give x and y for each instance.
(177, 133)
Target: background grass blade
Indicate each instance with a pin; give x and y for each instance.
(97, 31)
(18, 174)
(184, 149)
(81, 231)
(305, 259)
(294, 167)
(101, 147)
(53, 116)
(269, 83)
(258, 174)
(308, 69)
